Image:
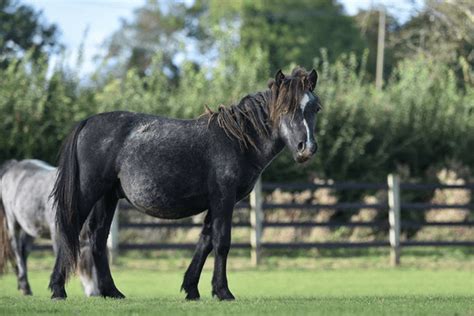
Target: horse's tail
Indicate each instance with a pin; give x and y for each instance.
(65, 195)
(6, 251)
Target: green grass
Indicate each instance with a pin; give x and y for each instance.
(286, 289)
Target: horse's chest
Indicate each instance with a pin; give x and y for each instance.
(246, 186)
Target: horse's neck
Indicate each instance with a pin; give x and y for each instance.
(266, 138)
(268, 149)
(269, 146)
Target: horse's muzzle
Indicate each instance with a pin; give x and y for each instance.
(305, 151)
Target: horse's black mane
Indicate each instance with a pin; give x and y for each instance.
(261, 110)
(250, 112)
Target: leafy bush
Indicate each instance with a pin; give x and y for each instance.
(420, 122)
(37, 110)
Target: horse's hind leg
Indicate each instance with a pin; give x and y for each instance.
(60, 270)
(203, 248)
(98, 227)
(21, 243)
(86, 268)
(26, 241)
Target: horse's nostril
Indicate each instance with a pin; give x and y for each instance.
(301, 146)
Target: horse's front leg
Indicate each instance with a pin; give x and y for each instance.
(221, 209)
(203, 248)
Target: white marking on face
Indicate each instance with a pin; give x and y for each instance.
(303, 103)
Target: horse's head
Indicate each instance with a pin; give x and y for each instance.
(294, 111)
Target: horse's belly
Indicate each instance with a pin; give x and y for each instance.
(171, 208)
(35, 226)
(164, 188)
(31, 216)
(171, 213)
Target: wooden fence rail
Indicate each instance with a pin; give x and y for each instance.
(258, 207)
(257, 223)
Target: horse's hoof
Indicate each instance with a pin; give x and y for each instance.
(114, 293)
(59, 295)
(26, 292)
(192, 292)
(118, 296)
(223, 295)
(192, 295)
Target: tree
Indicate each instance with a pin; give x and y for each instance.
(443, 31)
(23, 29)
(154, 29)
(289, 31)
(292, 31)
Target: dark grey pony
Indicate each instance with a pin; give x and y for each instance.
(26, 212)
(170, 168)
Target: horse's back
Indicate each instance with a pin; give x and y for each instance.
(25, 169)
(110, 140)
(165, 167)
(160, 163)
(25, 193)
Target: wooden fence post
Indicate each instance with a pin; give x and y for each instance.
(256, 216)
(394, 218)
(113, 240)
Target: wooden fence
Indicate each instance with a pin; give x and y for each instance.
(258, 207)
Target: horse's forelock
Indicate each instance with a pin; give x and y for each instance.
(286, 96)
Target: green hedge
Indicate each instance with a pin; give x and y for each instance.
(420, 122)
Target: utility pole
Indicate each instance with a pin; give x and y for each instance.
(380, 49)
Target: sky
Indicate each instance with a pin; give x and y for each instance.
(102, 17)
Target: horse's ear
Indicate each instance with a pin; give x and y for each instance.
(279, 76)
(312, 79)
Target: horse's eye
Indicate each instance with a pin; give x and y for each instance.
(318, 108)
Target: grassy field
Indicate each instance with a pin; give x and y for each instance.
(282, 286)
